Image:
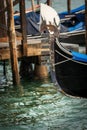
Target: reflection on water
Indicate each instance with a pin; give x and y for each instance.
(41, 107)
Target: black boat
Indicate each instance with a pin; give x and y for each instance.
(69, 71)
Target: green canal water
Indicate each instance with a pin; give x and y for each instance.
(38, 105)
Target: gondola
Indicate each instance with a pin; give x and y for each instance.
(66, 15)
(70, 70)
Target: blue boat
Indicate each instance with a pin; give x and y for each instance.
(69, 70)
(73, 26)
(66, 14)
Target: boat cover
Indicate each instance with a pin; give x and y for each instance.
(79, 26)
(32, 20)
(73, 11)
(79, 56)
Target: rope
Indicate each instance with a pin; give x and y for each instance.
(58, 63)
(68, 59)
(61, 47)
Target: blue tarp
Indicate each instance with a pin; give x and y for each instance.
(73, 11)
(76, 22)
(32, 22)
(79, 56)
(79, 26)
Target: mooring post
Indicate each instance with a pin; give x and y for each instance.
(41, 71)
(69, 6)
(3, 32)
(23, 26)
(12, 42)
(49, 2)
(32, 4)
(38, 2)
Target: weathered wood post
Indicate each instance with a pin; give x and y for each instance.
(41, 71)
(49, 2)
(38, 2)
(23, 26)
(69, 6)
(3, 32)
(32, 4)
(86, 24)
(12, 42)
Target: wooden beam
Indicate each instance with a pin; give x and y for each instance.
(5, 39)
(23, 26)
(12, 43)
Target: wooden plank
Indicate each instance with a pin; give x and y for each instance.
(5, 39)
(33, 50)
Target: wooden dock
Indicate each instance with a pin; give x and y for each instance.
(36, 46)
(23, 47)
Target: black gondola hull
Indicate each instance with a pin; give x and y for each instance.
(70, 75)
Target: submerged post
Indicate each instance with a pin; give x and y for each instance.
(12, 42)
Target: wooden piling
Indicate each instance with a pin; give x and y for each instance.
(41, 71)
(23, 26)
(49, 2)
(12, 43)
(38, 2)
(32, 4)
(3, 31)
(69, 6)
